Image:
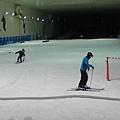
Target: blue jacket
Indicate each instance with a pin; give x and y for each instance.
(85, 64)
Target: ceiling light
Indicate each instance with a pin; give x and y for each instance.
(13, 14)
(6, 13)
(38, 18)
(25, 17)
(43, 20)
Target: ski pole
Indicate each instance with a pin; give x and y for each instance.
(23, 58)
(15, 58)
(91, 78)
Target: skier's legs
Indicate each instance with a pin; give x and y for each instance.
(4, 26)
(84, 78)
(20, 59)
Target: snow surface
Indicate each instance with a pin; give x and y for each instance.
(37, 88)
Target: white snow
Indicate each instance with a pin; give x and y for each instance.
(37, 88)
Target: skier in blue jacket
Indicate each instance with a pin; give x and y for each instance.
(84, 67)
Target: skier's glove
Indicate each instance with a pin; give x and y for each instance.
(88, 69)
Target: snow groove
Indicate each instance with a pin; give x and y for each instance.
(60, 97)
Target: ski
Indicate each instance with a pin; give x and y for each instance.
(83, 89)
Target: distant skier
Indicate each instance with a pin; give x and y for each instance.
(4, 22)
(85, 66)
(21, 54)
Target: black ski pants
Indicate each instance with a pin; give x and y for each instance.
(84, 78)
(19, 58)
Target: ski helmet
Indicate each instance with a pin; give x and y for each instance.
(89, 54)
(23, 49)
